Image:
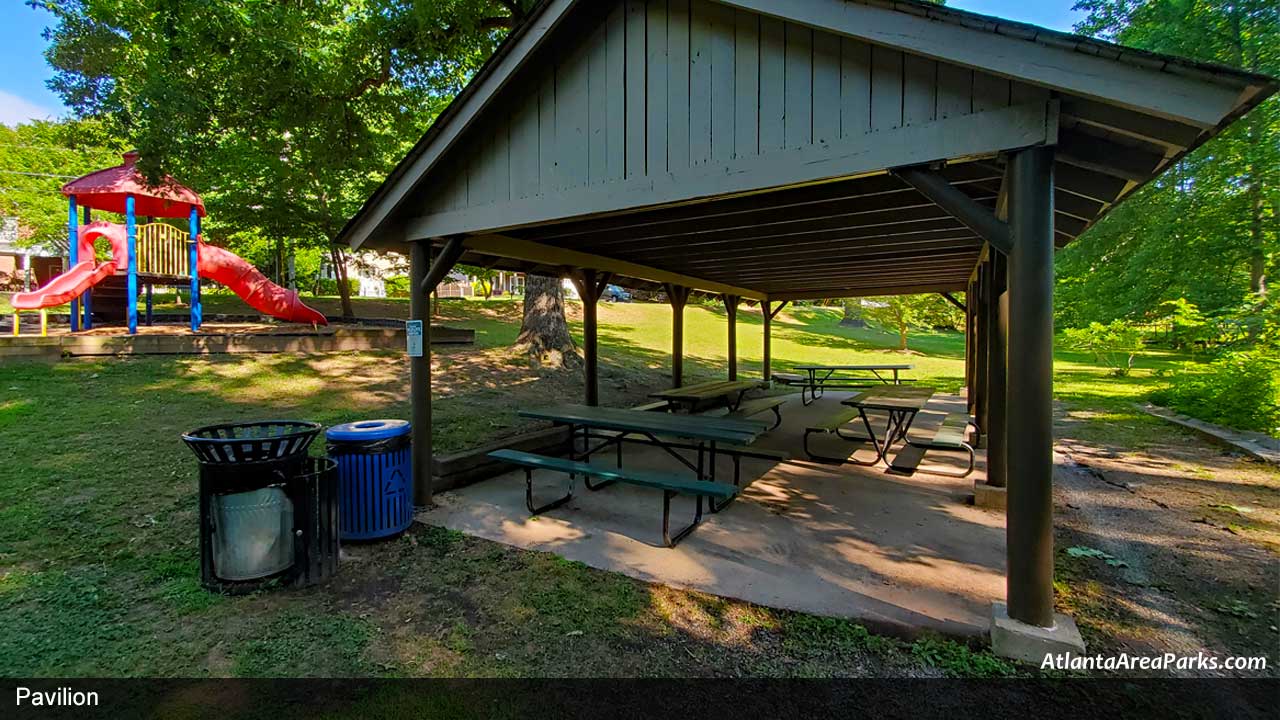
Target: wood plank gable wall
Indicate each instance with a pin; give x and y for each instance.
(652, 88)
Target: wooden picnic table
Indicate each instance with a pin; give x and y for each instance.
(901, 403)
(690, 396)
(820, 377)
(662, 430)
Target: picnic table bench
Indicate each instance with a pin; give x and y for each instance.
(705, 435)
(815, 379)
(670, 484)
(900, 403)
(691, 396)
(749, 408)
(950, 435)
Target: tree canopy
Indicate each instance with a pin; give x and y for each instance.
(286, 115)
(36, 160)
(1207, 230)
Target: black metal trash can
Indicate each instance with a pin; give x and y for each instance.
(375, 477)
(268, 511)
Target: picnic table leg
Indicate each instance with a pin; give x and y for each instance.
(667, 538)
(528, 495)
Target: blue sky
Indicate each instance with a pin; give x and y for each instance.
(23, 95)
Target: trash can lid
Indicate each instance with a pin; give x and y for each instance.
(368, 430)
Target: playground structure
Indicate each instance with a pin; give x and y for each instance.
(143, 256)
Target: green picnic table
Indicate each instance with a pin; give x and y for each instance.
(900, 402)
(690, 396)
(671, 433)
(817, 378)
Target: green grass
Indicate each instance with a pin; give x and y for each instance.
(98, 509)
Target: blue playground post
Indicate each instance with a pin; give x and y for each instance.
(87, 300)
(73, 253)
(131, 297)
(193, 229)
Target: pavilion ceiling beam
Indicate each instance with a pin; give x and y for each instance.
(1107, 157)
(976, 217)
(509, 247)
(801, 229)
(1176, 97)
(879, 190)
(1171, 134)
(955, 240)
(897, 233)
(866, 291)
(976, 135)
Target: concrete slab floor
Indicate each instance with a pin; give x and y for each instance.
(900, 554)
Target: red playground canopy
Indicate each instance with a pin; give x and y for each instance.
(107, 189)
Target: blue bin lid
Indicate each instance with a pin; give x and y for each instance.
(368, 430)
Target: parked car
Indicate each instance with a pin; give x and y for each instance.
(613, 293)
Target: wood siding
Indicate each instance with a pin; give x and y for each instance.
(661, 88)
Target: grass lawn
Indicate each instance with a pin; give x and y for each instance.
(98, 560)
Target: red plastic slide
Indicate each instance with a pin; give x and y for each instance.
(71, 284)
(66, 287)
(253, 287)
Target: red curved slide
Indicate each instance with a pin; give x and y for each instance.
(227, 268)
(65, 287)
(72, 283)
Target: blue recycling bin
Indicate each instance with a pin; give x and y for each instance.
(375, 477)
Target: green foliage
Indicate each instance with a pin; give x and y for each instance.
(1240, 390)
(286, 115)
(900, 313)
(1113, 345)
(959, 660)
(36, 160)
(329, 286)
(481, 278)
(397, 286)
(1206, 230)
(1186, 320)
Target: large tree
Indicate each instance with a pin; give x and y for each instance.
(1208, 229)
(544, 332)
(36, 160)
(901, 313)
(286, 114)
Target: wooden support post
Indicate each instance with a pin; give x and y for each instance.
(769, 312)
(1030, 386)
(678, 296)
(997, 371)
(731, 314)
(766, 315)
(591, 286)
(970, 306)
(980, 348)
(44, 322)
(420, 375)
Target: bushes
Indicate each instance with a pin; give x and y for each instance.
(326, 286)
(1112, 345)
(1240, 390)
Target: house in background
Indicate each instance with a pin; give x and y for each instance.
(24, 268)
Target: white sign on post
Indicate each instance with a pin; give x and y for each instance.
(413, 337)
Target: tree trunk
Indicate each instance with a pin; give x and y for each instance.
(544, 332)
(902, 336)
(340, 273)
(1257, 250)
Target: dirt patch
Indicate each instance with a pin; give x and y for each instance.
(1171, 548)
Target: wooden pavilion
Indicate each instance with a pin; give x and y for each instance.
(775, 151)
